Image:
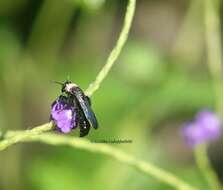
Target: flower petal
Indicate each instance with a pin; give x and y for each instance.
(63, 113)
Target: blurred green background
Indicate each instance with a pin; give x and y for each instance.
(159, 82)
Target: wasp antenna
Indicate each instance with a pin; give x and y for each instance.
(68, 77)
(56, 82)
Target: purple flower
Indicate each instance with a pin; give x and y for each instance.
(193, 133)
(206, 127)
(210, 123)
(64, 114)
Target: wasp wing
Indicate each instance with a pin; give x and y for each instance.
(86, 108)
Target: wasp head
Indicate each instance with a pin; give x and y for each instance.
(67, 87)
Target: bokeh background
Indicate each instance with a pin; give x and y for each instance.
(158, 83)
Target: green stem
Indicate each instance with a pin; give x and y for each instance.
(205, 167)
(214, 49)
(13, 137)
(116, 50)
(214, 61)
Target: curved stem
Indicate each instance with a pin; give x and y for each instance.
(205, 167)
(12, 137)
(214, 61)
(54, 139)
(116, 50)
(214, 49)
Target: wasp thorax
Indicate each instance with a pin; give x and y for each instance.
(69, 86)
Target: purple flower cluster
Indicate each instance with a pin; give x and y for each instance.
(205, 128)
(64, 114)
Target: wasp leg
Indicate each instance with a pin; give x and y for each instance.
(84, 125)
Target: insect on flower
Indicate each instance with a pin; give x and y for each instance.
(73, 109)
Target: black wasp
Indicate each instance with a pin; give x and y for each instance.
(85, 115)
